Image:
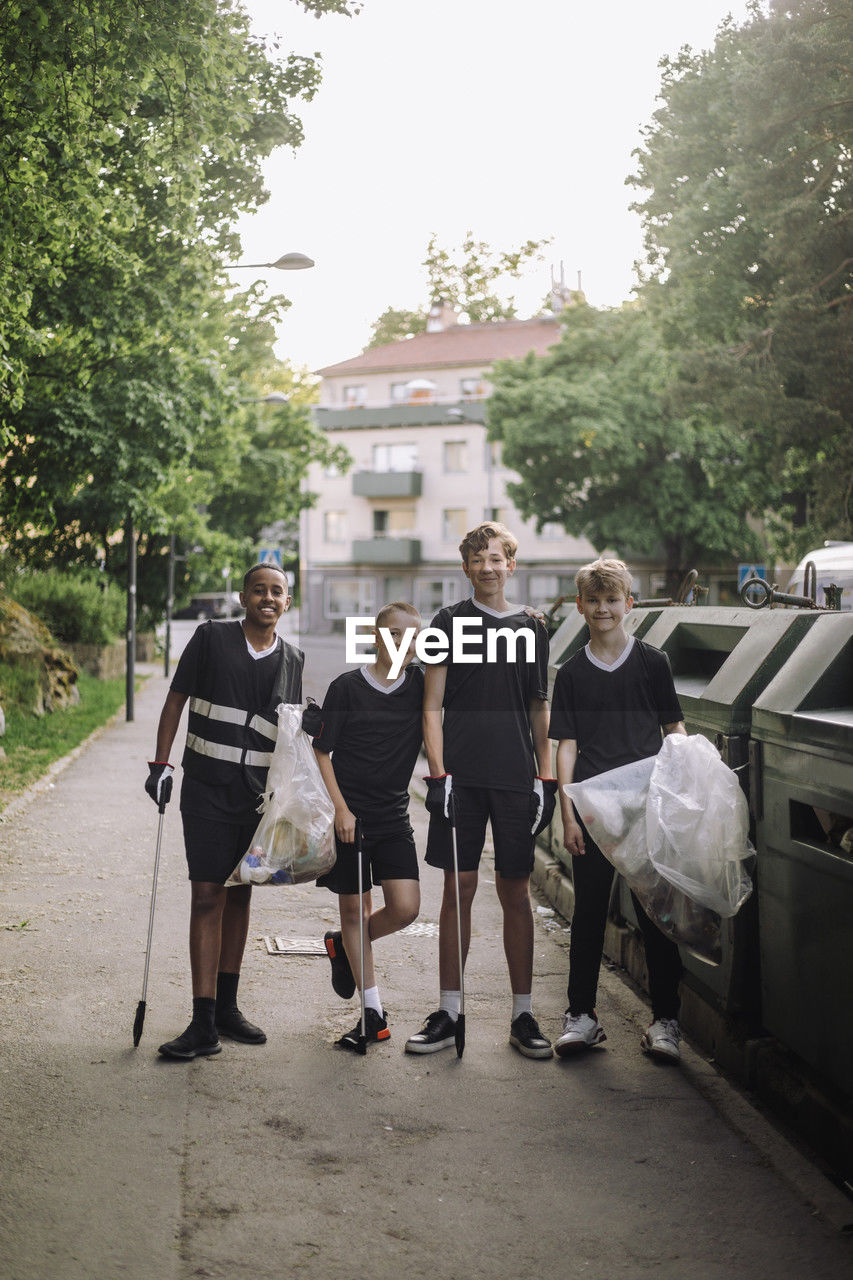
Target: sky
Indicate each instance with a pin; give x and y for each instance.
(515, 121)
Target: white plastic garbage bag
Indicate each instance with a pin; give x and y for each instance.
(697, 824)
(294, 841)
(675, 826)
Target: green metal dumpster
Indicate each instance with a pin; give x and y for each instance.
(802, 727)
(722, 658)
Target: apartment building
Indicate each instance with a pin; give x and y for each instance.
(411, 416)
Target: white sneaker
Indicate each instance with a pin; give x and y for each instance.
(580, 1031)
(662, 1039)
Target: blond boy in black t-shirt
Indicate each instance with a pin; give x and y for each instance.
(612, 700)
(486, 739)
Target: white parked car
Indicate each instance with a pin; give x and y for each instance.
(833, 563)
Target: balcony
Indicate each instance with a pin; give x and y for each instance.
(400, 415)
(386, 551)
(387, 484)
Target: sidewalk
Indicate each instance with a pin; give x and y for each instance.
(297, 1159)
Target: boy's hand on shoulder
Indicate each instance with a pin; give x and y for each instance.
(573, 838)
(345, 825)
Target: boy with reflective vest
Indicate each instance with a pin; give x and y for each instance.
(234, 675)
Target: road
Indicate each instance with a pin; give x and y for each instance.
(299, 1160)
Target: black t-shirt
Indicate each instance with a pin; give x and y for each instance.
(614, 713)
(487, 739)
(253, 685)
(374, 739)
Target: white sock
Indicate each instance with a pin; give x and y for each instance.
(521, 1004)
(450, 1002)
(371, 999)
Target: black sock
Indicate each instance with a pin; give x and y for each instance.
(204, 1014)
(226, 991)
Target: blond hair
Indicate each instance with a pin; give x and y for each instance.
(603, 575)
(478, 539)
(387, 609)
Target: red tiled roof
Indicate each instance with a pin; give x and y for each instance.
(460, 344)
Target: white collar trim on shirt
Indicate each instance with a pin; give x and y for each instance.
(494, 613)
(382, 688)
(604, 666)
(264, 653)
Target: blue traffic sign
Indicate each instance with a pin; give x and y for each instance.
(745, 571)
(270, 555)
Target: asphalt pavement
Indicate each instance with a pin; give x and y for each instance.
(297, 1159)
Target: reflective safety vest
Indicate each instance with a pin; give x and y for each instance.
(232, 721)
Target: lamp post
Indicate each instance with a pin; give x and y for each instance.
(130, 649)
(287, 262)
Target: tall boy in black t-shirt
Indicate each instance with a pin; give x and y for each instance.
(611, 701)
(366, 751)
(488, 748)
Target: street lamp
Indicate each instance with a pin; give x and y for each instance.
(287, 262)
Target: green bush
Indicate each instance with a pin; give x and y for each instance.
(78, 608)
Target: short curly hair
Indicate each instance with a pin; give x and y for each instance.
(478, 538)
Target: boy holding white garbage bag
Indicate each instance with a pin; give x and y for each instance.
(612, 702)
(366, 748)
(234, 674)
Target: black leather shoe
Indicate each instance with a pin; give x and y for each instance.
(192, 1043)
(438, 1032)
(375, 1029)
(232, 1024)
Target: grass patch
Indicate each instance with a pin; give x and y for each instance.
(33, 743)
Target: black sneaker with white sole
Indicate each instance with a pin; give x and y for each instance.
(438, 1032)
(525, 1036)
(375, 1029)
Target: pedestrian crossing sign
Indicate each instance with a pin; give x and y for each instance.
(747, 571)
(270, 555)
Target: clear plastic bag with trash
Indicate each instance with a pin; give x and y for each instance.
(675, 825)
(294, 841)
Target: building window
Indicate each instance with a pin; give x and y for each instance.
(471, 389)
(335, 526)
(552, 532)
(394, 521)
(433, 594)
(456, 455)
(399, 394)
(544, 588)
(454, 524)
(499, 515)
(395, 457)
(396, 588)
(350, 597)
(355, 397)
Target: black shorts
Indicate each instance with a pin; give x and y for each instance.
(391, 857)
(511, 814)
(213, 847)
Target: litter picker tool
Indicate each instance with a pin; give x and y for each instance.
(164, 792)
(362, 1035)
(460, 1021)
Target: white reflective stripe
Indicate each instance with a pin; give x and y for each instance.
(219, 751)
(230, 715)
(261, 725)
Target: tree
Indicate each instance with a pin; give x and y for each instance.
(133, 136)
(746, 209)
(601, 449)
(466, 281)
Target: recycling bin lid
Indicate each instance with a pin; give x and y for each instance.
(810, 700)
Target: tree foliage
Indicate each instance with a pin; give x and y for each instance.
(472, 280)
(746, 210)
(601, 449)
(133, 135)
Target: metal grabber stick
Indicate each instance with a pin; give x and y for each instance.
(362, 1035)
(163, 794)
(460, 1021)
